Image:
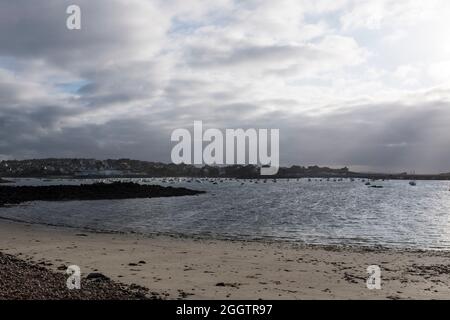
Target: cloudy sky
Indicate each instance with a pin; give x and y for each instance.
(358, 83)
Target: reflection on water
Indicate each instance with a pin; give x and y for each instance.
(325, 212)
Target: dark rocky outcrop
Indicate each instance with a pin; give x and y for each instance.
(97, 191)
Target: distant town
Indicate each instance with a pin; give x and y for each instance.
(88, 168)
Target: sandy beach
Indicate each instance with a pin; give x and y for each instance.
(187, 268)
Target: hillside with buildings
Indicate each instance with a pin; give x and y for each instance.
(85, 168)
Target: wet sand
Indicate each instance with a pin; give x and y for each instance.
(188, 268)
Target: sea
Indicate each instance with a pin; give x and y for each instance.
(310, 211)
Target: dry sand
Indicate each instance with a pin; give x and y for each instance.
(214, 269)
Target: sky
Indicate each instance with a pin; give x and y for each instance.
(364, 84)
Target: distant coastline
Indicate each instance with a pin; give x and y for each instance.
(127, 168)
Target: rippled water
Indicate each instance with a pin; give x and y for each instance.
(325, 212)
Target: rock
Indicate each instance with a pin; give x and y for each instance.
(96, 191)
(97, 276)
(232, 285)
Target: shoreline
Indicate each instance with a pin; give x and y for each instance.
(374, 177)
(263, 240)
(194, 268)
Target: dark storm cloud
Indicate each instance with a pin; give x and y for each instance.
(387, 137)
